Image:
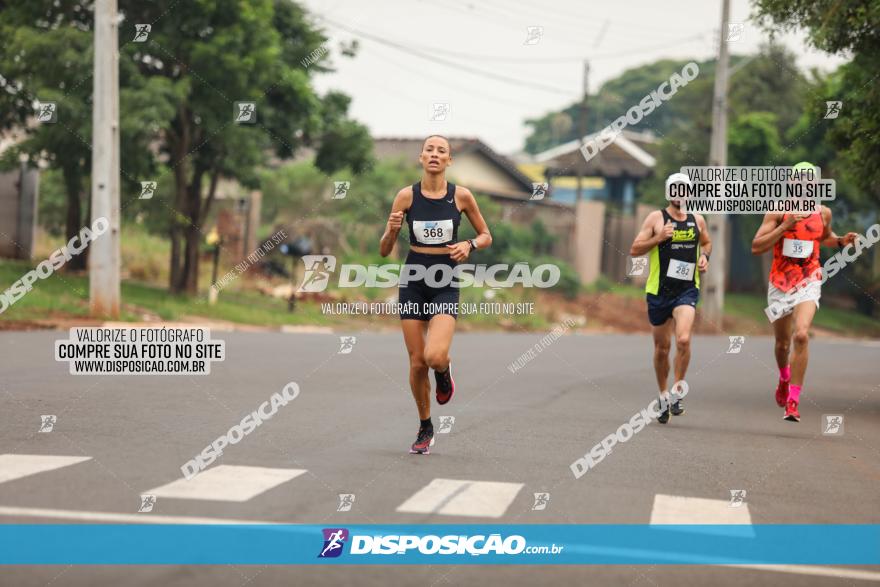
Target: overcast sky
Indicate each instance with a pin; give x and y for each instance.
(473, 55)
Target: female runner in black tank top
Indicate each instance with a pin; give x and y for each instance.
(433, 209)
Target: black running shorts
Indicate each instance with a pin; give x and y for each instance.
(420, 301)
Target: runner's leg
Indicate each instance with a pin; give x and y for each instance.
(440, 330)
(662, 335)
(414, 337)
(782, 332)
(802, 318)
(684, 324)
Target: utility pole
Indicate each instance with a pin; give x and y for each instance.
(582, 127)
(104, 250)
(713, 301)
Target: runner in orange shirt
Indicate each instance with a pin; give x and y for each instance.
(795, 289)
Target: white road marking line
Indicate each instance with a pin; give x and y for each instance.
(13, 466)
(677, 509)
(227, 483)
(455, 497)
(836, 572)
(288, 329)
(86, 516)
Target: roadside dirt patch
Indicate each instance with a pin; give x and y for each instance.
(610, 312)
(60, 322)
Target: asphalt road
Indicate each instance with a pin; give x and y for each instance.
(351, 426)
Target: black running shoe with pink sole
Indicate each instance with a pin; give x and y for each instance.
(663, 418)
(678, 408)
(424, 442)
(445, 385)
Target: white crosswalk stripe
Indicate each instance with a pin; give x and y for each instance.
(227, 483)
(677, 509)
(14, 466)
(452, 497)
(455, 497)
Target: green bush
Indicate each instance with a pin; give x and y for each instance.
(569, 283)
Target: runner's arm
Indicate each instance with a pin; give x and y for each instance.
(830, 238)
(472, 210)
(705, 243)
(705, 239)
(646, 239)
(402, 202)
(770, 231)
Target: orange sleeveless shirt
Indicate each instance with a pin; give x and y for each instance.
(788, 271)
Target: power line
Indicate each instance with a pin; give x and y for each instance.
(470, 90)
(402, 93)
(532, 60)
(570, 23)
(573, 19)
(411, 50)
(562, 59)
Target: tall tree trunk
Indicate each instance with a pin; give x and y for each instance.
(174, 275)
(212, 190)
(193, 232)
(176, 278)
(73, 224)
(180, 141)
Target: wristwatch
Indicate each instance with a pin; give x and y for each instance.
(473, 243)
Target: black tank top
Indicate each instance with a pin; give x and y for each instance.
(673, 262)
(433, 222)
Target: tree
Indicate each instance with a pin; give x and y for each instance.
(613, 99)
(178, 93)
(219, 52)
(47, 57)
(45, 65)
(753, 139)
(843, 28)
(763, 106)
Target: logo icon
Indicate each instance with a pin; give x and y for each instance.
(639, 264)
(534, 34)
(148, 189)
(439, 111)
(737, 498)
(541, 501)
(446, 423)
(245, 113)
(539, 190)
(47, 423)
(734, 31)
(832, 424)
(346, 344)
(832, 109)
(736, 344)
(334, 541)
(340, 189)
(141, 32)
(147, 503)
(47, 112)
(318, 270)
(346, 500)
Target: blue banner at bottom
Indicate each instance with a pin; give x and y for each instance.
(518, 544)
